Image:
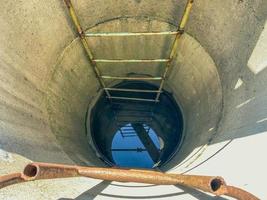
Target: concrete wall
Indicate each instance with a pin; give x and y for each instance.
(47, 85)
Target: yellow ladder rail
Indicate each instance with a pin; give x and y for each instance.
(94, 61)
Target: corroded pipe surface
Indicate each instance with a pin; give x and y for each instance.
(10, 179)
(240, 194)
(211, 184)
(216, 184)
(35, 171)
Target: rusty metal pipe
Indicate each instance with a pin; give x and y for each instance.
(10, 179)
(240, 194)
(36, 171)
(211, 184)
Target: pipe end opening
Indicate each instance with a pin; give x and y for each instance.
(216, 184)
(30, 171)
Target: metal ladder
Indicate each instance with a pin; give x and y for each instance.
(101, 78)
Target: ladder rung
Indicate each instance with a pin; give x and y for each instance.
(122, 122)
(133, 115)
(127, 110)
(131, 78)
(130, 34)
(131, 129)
(132, 90)
(128, 132)
(133, 99)
(129, 135)
(130, 60)
(131, 107)
(133, 118)
(137, 149)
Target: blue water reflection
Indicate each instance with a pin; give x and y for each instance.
(128, 150)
